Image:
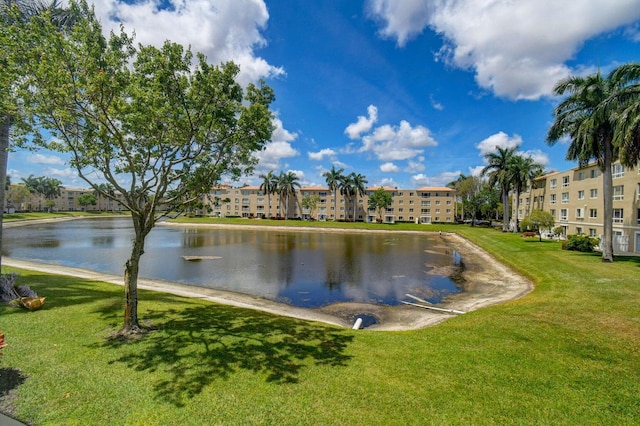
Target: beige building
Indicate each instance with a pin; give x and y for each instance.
(422, 205)
(66, 201)
(574, 198)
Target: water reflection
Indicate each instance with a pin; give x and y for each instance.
(306, 269)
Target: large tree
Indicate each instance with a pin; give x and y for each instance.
(287, 184)
(269, 186)
(498, 170)
(333, 178)
(587, 117)
(380, 200)
(161, 129)
(14, 12)
(522, 170)
(359, 183)
(626, 107)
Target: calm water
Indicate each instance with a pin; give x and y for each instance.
(307, 269)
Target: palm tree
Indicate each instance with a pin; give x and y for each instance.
(14, 12)
(52, 189)
(522, 170)
(498, 172)
(105, 190)
(359, 188)
(627, 101)
(268, 186)
(287, 183)
(333, 178)
(346, 190)
(586, 115)
(36, 185)
(456, 184)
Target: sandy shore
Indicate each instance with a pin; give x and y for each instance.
(485, 282)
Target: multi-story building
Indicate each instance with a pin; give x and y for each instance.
(574, 198)
(67, 201)
(422, 205)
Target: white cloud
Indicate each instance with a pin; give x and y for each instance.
(224, 30)
(364, 124)
(392, 143)
(499, 139)
(386, 182)
(440, 180)
(517, 49)
(320, 155)
(45, 159)
(538, 156)
(279, 148)
(389, 168)
(476, 171)
(415, 166)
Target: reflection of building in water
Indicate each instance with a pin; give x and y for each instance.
(422, 205)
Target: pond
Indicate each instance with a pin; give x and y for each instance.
(301, 268)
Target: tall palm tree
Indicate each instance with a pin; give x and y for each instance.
(456, 184)
(287, 184)
(14, 12)
(359, 188)
(584, 116)
(52, 190)
(36, 185)
(522, 170)
(627, 102)
(346, 190)
(498, 172)
(333, 178)
(268, 186)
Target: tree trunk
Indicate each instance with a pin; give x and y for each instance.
(335, 205)
(607, 189)
(5, 123)
(142, 226)
(505, 210)
(516, 228)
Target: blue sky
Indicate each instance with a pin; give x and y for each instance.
(409, 93)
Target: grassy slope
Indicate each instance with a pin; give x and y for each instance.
(569, 353)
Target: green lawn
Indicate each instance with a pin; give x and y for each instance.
(568, 353)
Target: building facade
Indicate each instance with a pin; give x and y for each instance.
(422, 205)
(574, 199)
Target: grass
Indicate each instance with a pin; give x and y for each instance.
(568, 353)
(13, 217)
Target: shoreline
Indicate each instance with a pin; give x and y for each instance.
(486, 282)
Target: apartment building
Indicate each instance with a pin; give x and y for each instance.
(574, 198)
(422, 205)
(67, 201)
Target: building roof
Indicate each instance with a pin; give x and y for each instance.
(435, 188)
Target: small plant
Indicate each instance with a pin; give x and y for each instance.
(582, 243)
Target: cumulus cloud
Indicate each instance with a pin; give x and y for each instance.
(389, 168)
(45, 159)
(498, 140)
(518, 50)
(364, 124)
(279, 148)
(538, 156)
(440, 180)
(415, 166)
(320, 155)
(224, 30)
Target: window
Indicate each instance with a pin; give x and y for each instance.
(553, 199)
(617, 171)
(581, 195)
(565, 181)
(554, 183)
(553, 213)
(426, 203)
(593, 193)
(618, 215)
(638, 216)
(581, 176)
(592, 233)
(594, 173)
(437, 202)
(618, 192)
(425, 211)
(578, 230)
(563, 214)
(580, 213)
(410, 210)
(565, 197)
(593, 213)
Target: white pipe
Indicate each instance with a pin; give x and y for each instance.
(358, 323)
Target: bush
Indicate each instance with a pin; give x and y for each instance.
(582, 243)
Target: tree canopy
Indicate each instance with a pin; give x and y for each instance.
(379, 201)
(160, 125)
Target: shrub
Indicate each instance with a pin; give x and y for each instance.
(582, 243)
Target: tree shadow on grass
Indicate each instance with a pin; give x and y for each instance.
(10, 379)
(195, 346)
